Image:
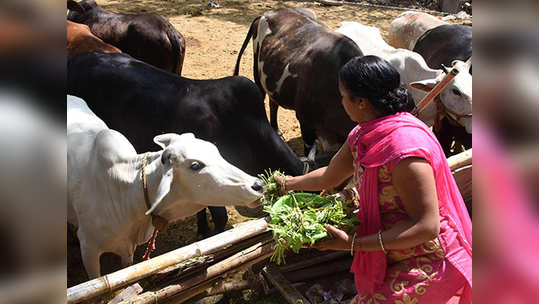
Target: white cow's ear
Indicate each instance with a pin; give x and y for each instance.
(163, 189)
(424, 85)
(164, 140)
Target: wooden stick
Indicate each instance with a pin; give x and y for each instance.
(129, 275)
(184, 296)
(313, 261)
(289, 292)
(128, 293)
(319, 270)
(224, 287)
(178, 275)
(435, 91)
(330, 2)
(460, 160)
(245, 258)
(210, 258)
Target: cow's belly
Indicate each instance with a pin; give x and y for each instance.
(328, 144)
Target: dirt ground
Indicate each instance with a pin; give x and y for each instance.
(214, 37)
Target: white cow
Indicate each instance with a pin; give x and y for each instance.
(409, 26)
(105, 195)
(415, 74)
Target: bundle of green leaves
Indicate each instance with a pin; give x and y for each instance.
(298, 219)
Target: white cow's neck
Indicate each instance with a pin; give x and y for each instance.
(129, 175)
(154, 171)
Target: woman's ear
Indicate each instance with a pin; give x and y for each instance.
(356, 100)
(362, 102)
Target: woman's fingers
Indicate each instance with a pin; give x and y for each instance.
(279, 179)
(337, 232)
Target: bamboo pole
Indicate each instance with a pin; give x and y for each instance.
(289, 292)
(435, 91)
(129, 292)
(126, 276)
(460, 160)
(184, 296)
(319, 270)
(226, 287)
(245, 258)
(313, 261)
(162, 280)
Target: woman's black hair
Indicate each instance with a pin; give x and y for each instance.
(377, 80)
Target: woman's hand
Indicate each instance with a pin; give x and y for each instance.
(342, 240)
(281, 180)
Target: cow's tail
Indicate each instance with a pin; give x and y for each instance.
(178, 46)
(245, 43)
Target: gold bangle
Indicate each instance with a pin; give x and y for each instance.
(381, 242)
(352, 246)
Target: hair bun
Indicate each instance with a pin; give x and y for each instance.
(376, 79)
(394, 101)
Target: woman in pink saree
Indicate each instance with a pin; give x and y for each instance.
(414, 240)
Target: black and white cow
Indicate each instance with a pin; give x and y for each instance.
(296, 62)
(142, 101)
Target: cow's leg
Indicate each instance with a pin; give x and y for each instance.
(90, 258)
(274, 107)
(220, 218)
(202, 224)
(309, 136)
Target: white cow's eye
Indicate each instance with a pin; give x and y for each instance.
(456, 92)
(195, 166)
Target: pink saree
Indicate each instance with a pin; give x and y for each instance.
(385, 141)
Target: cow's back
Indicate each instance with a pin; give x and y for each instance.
(148, 37)
(443, 44)
(409, 26)
(109, 84)
(312, 54)
(94, 152)
(82, 128)
(81, 40)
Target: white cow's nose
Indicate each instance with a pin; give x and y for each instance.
(258, 185)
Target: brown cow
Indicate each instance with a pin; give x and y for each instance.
(147, 37)
(409, 26)
(81, 40)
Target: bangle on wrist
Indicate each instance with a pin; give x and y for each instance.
(284, 183)
(352, 246)
(381, 242)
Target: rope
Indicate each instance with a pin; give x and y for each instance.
(151, 243)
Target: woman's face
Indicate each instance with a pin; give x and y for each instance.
(351, 104)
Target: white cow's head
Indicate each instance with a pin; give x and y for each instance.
(457, 96)
(194, 171)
